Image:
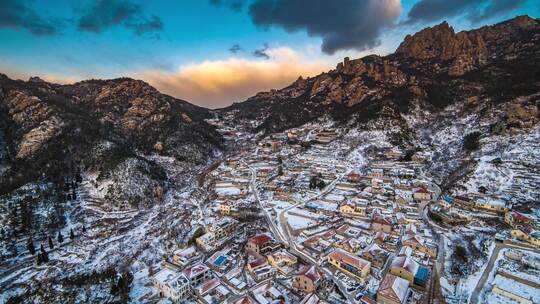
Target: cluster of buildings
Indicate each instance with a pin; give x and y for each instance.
(292, 219)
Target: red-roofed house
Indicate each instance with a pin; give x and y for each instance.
(308, 279)
(261, 244)
(349, 263)
(197, 274)
(516, 219)
(422, 194)
(393, 290)
(245, 299)
(382, 223)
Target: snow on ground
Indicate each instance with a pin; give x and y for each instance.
(299, 222)
(228, 191)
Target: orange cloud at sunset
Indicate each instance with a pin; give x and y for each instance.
(218, 83)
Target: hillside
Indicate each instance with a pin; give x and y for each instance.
(438, 87)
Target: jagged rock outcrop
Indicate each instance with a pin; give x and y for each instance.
(435, 66)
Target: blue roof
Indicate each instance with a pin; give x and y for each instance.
(421, 276)
(311, 205)
(220, 260)
(448, 199)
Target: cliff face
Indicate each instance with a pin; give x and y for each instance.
(435, 67)
(48, 126)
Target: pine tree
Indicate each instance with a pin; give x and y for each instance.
(83, 229)
(60, 237)
(30, 246)
(39, 259)
(51, 245)
(42, 249)
(45, 257)
(71, 234)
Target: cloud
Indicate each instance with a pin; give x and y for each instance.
(235, 5)
(109, 13)
(15, 14)
(261, 53)
(495, 8)
(235, 49)
(476, 11)
(342, 25)
(219, 83)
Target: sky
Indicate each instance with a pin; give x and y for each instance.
(216, 52)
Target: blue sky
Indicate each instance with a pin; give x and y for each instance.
(183, 47)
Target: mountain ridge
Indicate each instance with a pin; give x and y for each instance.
(422, 68)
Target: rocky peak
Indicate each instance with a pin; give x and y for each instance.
(439, 42)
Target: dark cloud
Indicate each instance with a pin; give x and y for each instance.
(345, 24)
(235, 5)
(475, 11)
(235, 49)
(261, 53)
(15, 14)
(495, 8)
(109, 13)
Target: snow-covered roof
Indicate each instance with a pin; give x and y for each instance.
(394, 287)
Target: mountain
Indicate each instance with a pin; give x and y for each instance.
(47, 127)
(435, 67)
(466, 99)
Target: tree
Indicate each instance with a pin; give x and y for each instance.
(471, 141)
(83, 229)
(26, 216)
(51, 245)
(42, 249)
(30, 246)
(60, 237)
(71, 234)
(39, 259)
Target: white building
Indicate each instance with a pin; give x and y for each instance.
(171, 284)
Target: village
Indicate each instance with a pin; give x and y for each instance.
(303, 217)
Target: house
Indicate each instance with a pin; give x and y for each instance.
(422, 194)
(282, 261)
(245, 299)
(262, 244)
(206, 242)
(382, 223)
(464, 201)
(386, 241)
(527, 234)
(349, 263)
(225, 207)
(350, 244)
(393, 290)
(492, 204)
(407, 268)
(223, 228)
(308, 279)
(183, 257)
(354, 177)
(219, 261)
(353, 208)
(516, 219)
(265, 293)
(171, 284)
(376, 255)
(212, 291)
(197, 274)
(376, 173)
(259, 269)
(419, 243)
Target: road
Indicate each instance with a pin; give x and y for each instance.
(485, 275)
(287, 239)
